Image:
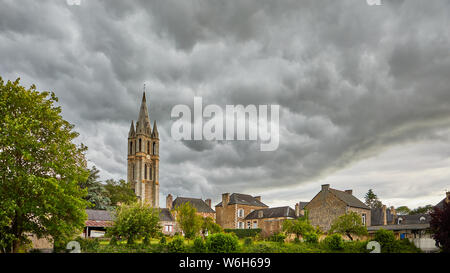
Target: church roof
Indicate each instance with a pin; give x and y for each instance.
(143, 122)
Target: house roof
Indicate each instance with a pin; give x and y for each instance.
(440, 205)
(243, 199)
(197, 203)
(349, 199)
(399, 227)
(272, 213)
(99, 215)
(302, 205)
(414, 219)
(165, 215)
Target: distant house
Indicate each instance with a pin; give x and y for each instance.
(231, 212)
(203, 207)
(269, 220)
(167, 222)
(330, 203)
(414, 227)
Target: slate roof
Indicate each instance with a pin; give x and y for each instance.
(197, 203)
(414, 219)
(349, 199)
(165, 215)
(302, 205)
(243, 199)
(99, 215)
(272, 213)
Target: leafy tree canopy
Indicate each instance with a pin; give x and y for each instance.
(97, 194)
(349, 224)
(135, 221)
(188, 220)
(403, 210)
(119, 192)
(40, 168)
(440, 226)
(300, 226)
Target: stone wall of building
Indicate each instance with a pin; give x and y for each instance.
(324, 208)
(227, 216)
(361, 211)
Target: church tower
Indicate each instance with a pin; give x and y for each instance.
(143, 157)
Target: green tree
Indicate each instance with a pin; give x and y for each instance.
(40, 168)
(119, 192)
(349, 224)
(97, 194)
(208, 225)
(222, 243)
(300, 226)
(135, 221)
(371, 200)
(402, 210)
(422, 210)
(188, 220)
(440, 226)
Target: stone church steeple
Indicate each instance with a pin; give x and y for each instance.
(143, 157)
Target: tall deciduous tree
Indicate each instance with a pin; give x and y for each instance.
(349, 224)
(371, 200)
(40, 168)
(188, 220)
(300, 226)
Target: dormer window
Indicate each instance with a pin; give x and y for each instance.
(422, 219)
(399, 221)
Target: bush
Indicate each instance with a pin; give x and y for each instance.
(176, 245)
(199, 245)
(248, 241)
(334, 242)
(88, 245)
(311, 237)
(222, 243)
(387, 240)
(242, 233)
(277, 237)
(296, 240)
(163, 240)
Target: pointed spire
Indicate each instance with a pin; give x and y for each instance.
(131, 133)
(143, 121)
(155, 133)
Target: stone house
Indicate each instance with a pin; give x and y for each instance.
(167, 221)
(330, 203)
(269, 220)
(231, 212)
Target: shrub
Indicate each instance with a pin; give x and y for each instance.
(311, 237)
(199, 245)
(277, 237)
(334, 242)
(88, 245)
(176, 245)
(242, 233)
(163, 240)
(248, 241)
(296, 240)
(222, 243)
(387, 240)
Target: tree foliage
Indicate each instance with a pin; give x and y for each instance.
(209, 226)
(440, 226)
(97, 195)
(40, 168)
(422, 210)
(135, 221)
(403, 210)
(371, 200)
(300, 226)
(119, 192)
(349, 224)
(189, 221)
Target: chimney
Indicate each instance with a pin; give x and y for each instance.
(394, 214)
(297, 210)
(169, 201)
(225, 199)
(349, 191)
(447, 197)
(257, 198)
(384, 215)
(325, 187)
(208, 201)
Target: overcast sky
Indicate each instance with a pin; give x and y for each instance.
(364, 91)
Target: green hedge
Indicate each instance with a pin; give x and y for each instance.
(242, 233)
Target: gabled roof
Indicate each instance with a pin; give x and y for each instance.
(243, 199)
(197, 203)
(165, 215)
(272, 213)
(349, 199)
(423, 218)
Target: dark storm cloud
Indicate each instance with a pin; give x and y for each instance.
(352, 80)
